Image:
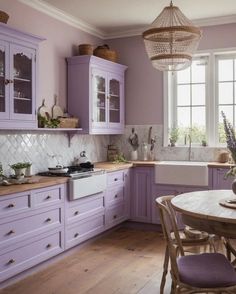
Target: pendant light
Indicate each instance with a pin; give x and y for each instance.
(171, 40)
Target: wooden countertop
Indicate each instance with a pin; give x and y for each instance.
(219, 164)
(110, 166)
(41, 182)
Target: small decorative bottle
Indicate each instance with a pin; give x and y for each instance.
(145, 151)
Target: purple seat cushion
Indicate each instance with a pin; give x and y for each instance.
(207, 270)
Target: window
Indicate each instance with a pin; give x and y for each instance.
(197, 95)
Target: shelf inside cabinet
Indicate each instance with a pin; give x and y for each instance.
(22, 98)
(22, 80)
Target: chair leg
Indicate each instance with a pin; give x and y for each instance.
(165, 271)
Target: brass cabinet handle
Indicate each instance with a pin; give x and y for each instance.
(48, 197)
(76, 212)
(48, 220)
(76, 235)
(11, 205)
(116, 196)
(7, 81)
(11, 232)
(48, 246)
(115, 179)
(11, 261)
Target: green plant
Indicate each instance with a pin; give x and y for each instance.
(174, 136)
(120, 158)
(20, 165)
(47, 122)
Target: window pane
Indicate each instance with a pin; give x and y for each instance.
(183, 95)
(228, 111)
(225, 70)
(198, 94)
(183, 117)
(183, 76)
(225, 93)
(198, 71)
(198, 116)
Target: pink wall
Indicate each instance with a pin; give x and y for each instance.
(144, 84)
(61, 41)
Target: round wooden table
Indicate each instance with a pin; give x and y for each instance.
(202, 210)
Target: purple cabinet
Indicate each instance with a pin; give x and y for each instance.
(31, 228)
(117, 198)
(217, 179)
(84, 218)
(141, 194)
(18, 78)
(96, 94)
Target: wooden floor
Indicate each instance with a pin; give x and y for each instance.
(125, 261)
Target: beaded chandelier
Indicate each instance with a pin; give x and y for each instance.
(171, 40)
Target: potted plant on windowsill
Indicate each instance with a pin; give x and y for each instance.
(174, 136)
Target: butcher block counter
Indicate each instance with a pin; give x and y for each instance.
(39, 182)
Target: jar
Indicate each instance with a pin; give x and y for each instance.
(144, 151)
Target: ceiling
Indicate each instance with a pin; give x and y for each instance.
(112, 18)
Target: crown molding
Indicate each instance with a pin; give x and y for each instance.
(58, 14)
(79, 24)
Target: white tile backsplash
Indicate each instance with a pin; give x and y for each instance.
(39, 148)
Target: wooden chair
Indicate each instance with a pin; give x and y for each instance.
(197, 273)
(190, 239)
(230, 250)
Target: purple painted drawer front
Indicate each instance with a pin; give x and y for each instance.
(115, 215)
(84, 230)
(12, 205)
(115, 195)
(115, 178)
(47, 196)
(30, 254)
(25, 227)
(84, 208)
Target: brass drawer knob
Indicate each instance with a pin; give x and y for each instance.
(76, 235)
(115, 216)
(116, 196)
(48, 220)
(48, 197)
(115, 179)
(76, 212)
(11, 232)
(48, 246)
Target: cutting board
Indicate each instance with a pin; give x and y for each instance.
(56, 109)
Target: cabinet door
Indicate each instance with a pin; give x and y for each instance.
(22, 71)
(141, 195)
(219, 181)
(99, 99)
(115, 105)
(4, 80)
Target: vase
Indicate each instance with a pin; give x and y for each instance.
(234, 186)
(19, 173)
(134, 155)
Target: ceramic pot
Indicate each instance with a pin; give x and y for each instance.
(20, 173)
(134, 155)
(234, 186)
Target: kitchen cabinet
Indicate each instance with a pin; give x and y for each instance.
(217, 178)
(84, 218)
(31, 228)
(141, 194)
(96, 94)
(117, 197)
(18, 78)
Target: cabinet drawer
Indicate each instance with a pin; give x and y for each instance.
(30, 254)
(115, 195)
(84, 229)
(47, 196)
(12, 205)
(19, 229)
(84, 208)
(116, 215)
(115, 178)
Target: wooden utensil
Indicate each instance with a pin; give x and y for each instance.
(43, 109)
(56, 109)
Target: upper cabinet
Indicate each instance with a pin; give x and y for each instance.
(96, 94)
(18, 78)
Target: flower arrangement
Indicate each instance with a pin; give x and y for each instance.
(174, 136)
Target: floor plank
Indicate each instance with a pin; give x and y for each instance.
(125, 261)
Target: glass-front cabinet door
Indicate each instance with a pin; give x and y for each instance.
(114, 101)
(22, 104)
(99, 101)
(4, 91)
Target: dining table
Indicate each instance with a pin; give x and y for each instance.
(213, 211)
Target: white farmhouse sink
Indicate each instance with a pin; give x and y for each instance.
(187, 173)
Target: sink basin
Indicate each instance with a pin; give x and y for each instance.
(186, 173)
